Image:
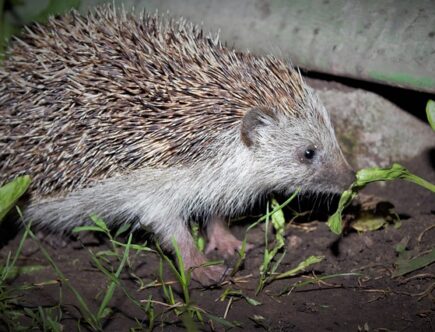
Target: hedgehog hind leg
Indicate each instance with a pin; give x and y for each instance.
(193, 259)
(221, 239)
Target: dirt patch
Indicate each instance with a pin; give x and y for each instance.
(372, 300)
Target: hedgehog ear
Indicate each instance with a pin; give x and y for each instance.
(253, 119)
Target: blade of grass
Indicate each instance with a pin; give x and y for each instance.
(430, 112)
(279, 207)
(405, 267)
(87, 314)
(115, 281)
(316, 280)
(9, 265)
(301, 267)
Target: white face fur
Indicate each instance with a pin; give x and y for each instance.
(297, 149)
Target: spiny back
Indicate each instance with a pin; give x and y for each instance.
(85, 98)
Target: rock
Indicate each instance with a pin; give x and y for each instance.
(373, 131)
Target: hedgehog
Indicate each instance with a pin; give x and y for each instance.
(147, 120)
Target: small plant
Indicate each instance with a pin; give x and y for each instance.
(11, 192)
(430, 113)
(268, 271)
(120, 251)
(186, 310)
(278, 222)
(369, 175)
(233, 295)
(406, 263)
(197, 237)
(10, 317)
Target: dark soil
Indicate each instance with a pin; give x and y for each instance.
(370, 301)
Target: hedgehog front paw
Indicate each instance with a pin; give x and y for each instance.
(221, 240)
(209, 275)
(226, 246)
(205, 275)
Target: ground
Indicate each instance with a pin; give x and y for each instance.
(371, 301)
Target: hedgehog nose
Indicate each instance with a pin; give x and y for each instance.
(347, 177)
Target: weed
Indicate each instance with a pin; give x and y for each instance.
(11, 192)
(368, 175)
(187, 310)
(430, 112)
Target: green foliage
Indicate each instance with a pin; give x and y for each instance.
(197, 237)
(11, 192)
(301, 267)
(230, 294)
(317, 280)
(430, 112)
(186, 310)
(278, 222)
(369, 175)
(406, 264)
(9, 316)
(267, 269)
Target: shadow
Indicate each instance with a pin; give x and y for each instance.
(413, 102)
(335, 247)
(430, 156)
(9, 229)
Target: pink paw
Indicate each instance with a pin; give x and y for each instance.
(209, 275)
(226, 246)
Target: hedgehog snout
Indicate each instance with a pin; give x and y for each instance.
(337, 178)
(346, 177)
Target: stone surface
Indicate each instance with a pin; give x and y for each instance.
(374, 131)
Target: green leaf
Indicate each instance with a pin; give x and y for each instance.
(79, 229)
(104, 310)
(405, 267)
(99, 222)
(199, 240)
(11, 192)
(14, 271)
(188, 322)
(430, 112)
(121, 230)
(317, 279)
(302, 266)
(220, 320)
(278, 222)
(252, 301)
(368, 175)
(229, 292)
(334, 222)
(396, 171)
(369, 222)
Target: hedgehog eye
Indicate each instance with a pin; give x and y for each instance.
(309, 154)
